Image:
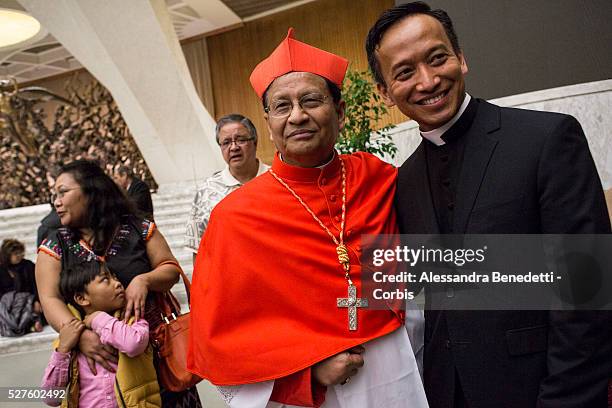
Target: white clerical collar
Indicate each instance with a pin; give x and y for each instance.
(435, 136)
(229, 180)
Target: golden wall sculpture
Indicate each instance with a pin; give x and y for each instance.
(40, 131)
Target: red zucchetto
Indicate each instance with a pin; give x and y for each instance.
(293, 55)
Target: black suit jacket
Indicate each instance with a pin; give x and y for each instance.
(48, 226)
(523, 172)
(140, 195)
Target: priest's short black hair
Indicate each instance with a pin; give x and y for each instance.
(393, 15)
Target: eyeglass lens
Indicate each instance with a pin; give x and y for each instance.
(284, 107)
(239, 141)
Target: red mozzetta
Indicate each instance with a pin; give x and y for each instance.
(267, 275)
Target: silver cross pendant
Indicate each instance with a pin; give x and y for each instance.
(352, 302)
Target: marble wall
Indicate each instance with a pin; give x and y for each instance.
(590, 103)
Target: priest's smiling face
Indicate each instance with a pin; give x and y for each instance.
(423, 75)
(306, 132)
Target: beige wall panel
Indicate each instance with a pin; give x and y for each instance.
(338, 26)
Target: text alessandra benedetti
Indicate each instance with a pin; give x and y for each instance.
(492, 277)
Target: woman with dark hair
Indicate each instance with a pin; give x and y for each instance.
(98, 224)
(20, 310)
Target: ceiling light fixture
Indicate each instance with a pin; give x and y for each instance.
(17, 27)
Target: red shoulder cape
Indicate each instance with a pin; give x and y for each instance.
(266, 278)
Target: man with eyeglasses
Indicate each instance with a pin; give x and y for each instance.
(279, 313)
(237, 138)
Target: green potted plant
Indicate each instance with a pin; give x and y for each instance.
(364, 109)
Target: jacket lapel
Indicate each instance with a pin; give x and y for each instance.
(477, 156)
(425, 222)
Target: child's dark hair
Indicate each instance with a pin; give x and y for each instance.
(74, 278)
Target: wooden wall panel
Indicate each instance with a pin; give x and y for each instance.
(338, 26)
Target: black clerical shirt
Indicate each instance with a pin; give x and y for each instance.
(444, 167)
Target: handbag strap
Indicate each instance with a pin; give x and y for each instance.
(166, 301)
(186, 281)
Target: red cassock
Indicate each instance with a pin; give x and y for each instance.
(267, 277)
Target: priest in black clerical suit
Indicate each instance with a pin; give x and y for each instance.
(508, 171)
(483, 169)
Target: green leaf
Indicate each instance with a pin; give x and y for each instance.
(364, 110)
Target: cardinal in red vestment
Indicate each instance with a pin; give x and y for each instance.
(276, 292)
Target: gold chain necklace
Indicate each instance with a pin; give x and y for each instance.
(352, 302)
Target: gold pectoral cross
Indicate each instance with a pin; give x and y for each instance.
(352, 302)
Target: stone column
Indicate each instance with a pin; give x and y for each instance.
(132, 49)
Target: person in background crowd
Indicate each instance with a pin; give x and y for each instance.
(137, 190)
(20, 309)
(237, 139)
(48, 226)
(98, 224)
(485, 169)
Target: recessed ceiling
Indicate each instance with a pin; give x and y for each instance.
(41, 48)
(46, 57)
